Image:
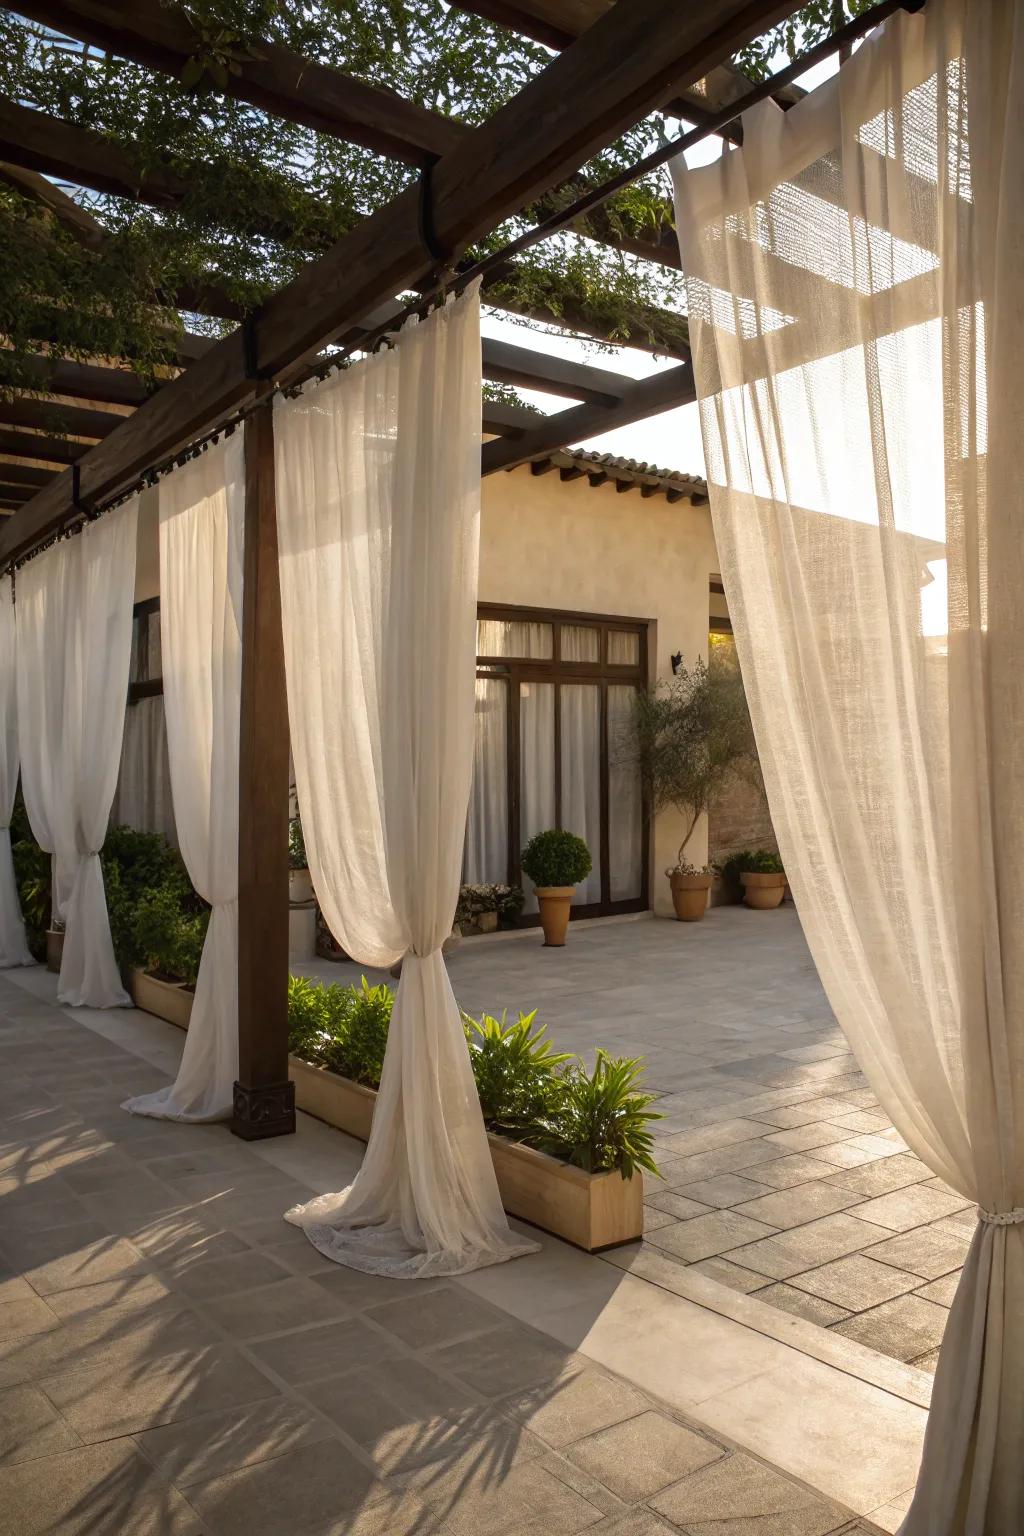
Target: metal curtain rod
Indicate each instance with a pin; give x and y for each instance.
(445, 280)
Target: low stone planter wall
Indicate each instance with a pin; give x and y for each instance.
(169, 1000)
(593, 1211)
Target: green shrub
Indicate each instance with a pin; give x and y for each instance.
(506, 900)
(32, 877)
(360, 1052)
(167, 939)
(136, 864)
(598, 1120)
(296, 845)
(556, 858)
(317, 1016)
(757, 861)
(514, 1066)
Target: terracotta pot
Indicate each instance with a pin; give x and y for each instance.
(300, 887)
(690, 895)
(762, 891)
(554, 902)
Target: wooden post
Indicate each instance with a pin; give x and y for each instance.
(264, 1102)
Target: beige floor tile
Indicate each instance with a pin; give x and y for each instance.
(911, 1207)
(437, 1318)
(798, 1168)
(803, 1248)
(312, 1488)
(880, 1176)
(99, 1490)
(941, 1291)
(27, 1314)
(904, 1328)
(923, 1251)
(228, 1277)
(636, 1458)
(710, 1137)
(213, 1444)
(725, 1272)
(675, 1205)
(800, 1304)
(289, 1303)
(705, 1236)
(326, 1350)
(578, 1404)
(739, 1496)
(31, 1427)
(507, 1359)
(108, 1401)
(805, 1138)
(794, 1207)
(725, 1189)
(856, 1283)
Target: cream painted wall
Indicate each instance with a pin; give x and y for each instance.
(546, 543)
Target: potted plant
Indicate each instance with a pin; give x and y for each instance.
(300, 885)
(556, 862)
(692, 739)
(763, 879)
(167, 940)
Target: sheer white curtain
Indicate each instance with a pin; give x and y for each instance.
(13, 948)
(74, 617)
(378, 495)
(581, 776)
(536, 768)
(202, 523)
(485, 859)
(856, 286)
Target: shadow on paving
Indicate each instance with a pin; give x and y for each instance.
(175, 1359)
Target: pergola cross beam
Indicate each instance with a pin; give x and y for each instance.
(614, 75)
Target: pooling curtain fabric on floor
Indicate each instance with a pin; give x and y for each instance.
(73, 610)
(378, 502)
(856, 287)
(13, 947)
(202, 513)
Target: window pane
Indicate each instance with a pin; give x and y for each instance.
(580, 643)
(536, 767)
(581, 776)
(155, 662)
(623, 648)
(485, 858)
(513, 637)
(625, 848)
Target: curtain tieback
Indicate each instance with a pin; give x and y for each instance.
(1012, 1218)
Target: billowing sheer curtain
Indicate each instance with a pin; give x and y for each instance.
(74, 620)
(378, 494)
(485, 860)
(856, 284)
(202, 528)
(581, 776)
(13, 948)
(536, 768)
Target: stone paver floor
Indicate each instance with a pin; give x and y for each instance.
(783, 1178)
(175, 1360)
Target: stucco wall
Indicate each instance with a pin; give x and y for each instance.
(546, 543)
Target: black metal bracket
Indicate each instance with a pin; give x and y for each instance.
(437, 252)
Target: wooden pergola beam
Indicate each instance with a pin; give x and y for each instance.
(610, 79)
(84, 381)
(46, 144)
(52, 450)
(506, 363)
(26, 475)
(273, 78)
(646, 397)
(55, 417)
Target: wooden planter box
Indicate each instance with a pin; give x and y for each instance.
(170, 1000)
(593, 1211)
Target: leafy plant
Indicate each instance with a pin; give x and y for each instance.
(296, 845)
(506, 900)
(167, 939)
(359, 1054)
(514, 1066)
(692, 739)
(32, 876)
(317, 1017)
(556, 858)
(598, 1120)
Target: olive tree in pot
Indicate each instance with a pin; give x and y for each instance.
(556, 862)
(692, 739)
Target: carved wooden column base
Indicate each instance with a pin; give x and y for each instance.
(265, 1111)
